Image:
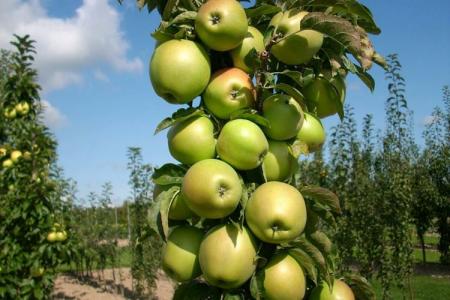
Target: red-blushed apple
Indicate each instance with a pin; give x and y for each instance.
(229, 90)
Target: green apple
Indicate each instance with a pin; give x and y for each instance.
(253, 40)
(323, 96)
(10, 113)
(341, 291)
(242, 144)
(22, 108)
(279, 163)
(312, 134)
(192, 140)
(276, 212)
(180, 256)
(51, 237)
(27, 155)
(7, 163)
(230, 90)
(37, 272)
(295, 46)
(178, 209)
(179, 71)
(228, 256)
(285, 116)
(15, 155)
(211, 189)
(61, 236)
(283, 278)
(221, 24)
(3, 152)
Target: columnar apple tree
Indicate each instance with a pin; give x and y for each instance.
(235, 225)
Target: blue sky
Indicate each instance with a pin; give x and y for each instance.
(93, 59)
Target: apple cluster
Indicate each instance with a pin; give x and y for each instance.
(57, 234)
(21, 109)
(222, 148)
(14, 157)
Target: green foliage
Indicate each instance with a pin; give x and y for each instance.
(31, 189)
(145, 245)
(436, 156)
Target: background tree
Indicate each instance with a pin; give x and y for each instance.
(437, 155)
(144, 243)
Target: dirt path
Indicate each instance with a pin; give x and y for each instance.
(69, 287)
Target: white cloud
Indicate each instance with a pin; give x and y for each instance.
(67, 46)
(52, 117)
(428, 120)
(100, 76)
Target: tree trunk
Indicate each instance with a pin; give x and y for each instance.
(422, 244)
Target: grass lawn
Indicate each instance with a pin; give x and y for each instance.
(432, 256)
(424, 288)
(123, 261)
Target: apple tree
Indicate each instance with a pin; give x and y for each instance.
(234, 223)
(34, 237)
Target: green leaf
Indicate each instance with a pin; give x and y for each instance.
(302, 79)
(365, 17)
(362, 289)
(291, 91)
(366, 78)
(349, 64)
(230, 296)
(323, 196)
(313, 252)
(180, 115)
(166, 203)
(169, 174)
(257, 285)
(251, 115)
(321, 241)
(159, 210)
(305, 261)
(196, 290)
(261, 10)
(252, 59)
(168, 9)
(184, 17)
(336, 28)
(324, 214)
(268, 35)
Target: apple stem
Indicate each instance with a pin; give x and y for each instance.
(263, 67)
